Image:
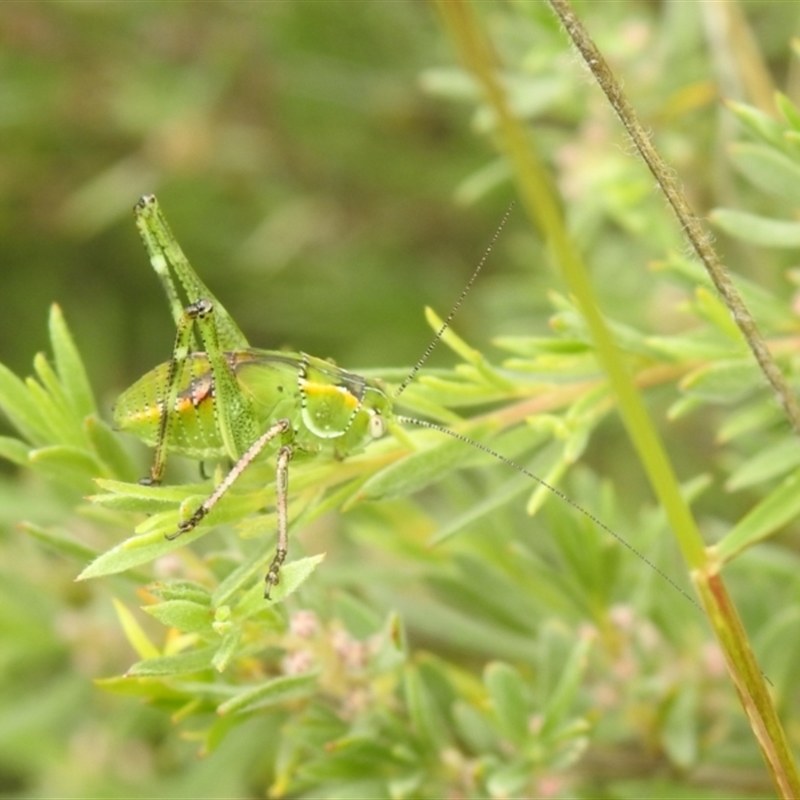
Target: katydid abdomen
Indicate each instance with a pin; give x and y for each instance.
(329, 409)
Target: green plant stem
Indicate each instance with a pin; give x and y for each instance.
(540, 201)
(698, 238)
(749, 682)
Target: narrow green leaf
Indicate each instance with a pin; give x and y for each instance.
(535, 346)
(528, 97)
(424, 714)
(241, 577)
(202, 690)
(766, 127)
(450, 82)
(137, 550)
(277, 690)
(679, 732)
(227, 650)
(564, 696)
(481, 181)
(164, 494)
(19, 406)
(218, 731)
(70, 365)
(769, 170)
(450, 393)
(14, 450)
(184, 615)
(150, 689)
(573, 743)
(724, 381)
(709, 307)
(778, 645)
(182, 590)
(416, 470)
(684, 406)
(358, 618)
(777, 509)
(509, 699)
(407, 785)
(755, 229)
(60, 541)
(469, 354)
(702, 345)
(59, 420)
(549, 588)
(472, 727)
(788, 109)
(53, 387)
(418, 400)
(133, 632)
(179, 664)
(351, 767)
(761, 413)
(510, 779)
(295, 574)
(482, 589)
(117, 502)
(70, 465)
(486, 507)
(109, 449)
(767, 464)
(764, 306)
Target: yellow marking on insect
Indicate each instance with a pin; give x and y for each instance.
(184, 404)
(147, 413)
(201, 391)
(323, 389)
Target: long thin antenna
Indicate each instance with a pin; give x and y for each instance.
(446, 324)
(500, 457)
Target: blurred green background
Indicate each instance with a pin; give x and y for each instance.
(323, 167)
(302, 167)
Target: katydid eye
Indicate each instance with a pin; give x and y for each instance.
(377, 427)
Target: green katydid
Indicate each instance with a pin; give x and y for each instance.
(229, 400)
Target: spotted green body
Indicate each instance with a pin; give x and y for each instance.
(218, 398)
(331, 410)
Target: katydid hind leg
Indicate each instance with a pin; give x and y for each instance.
(233, 408)
(281, 427)
(168, 259)
(218, 332)
(272, 578)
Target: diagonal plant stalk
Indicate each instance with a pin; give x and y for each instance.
(540, 200)
(698, 238)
